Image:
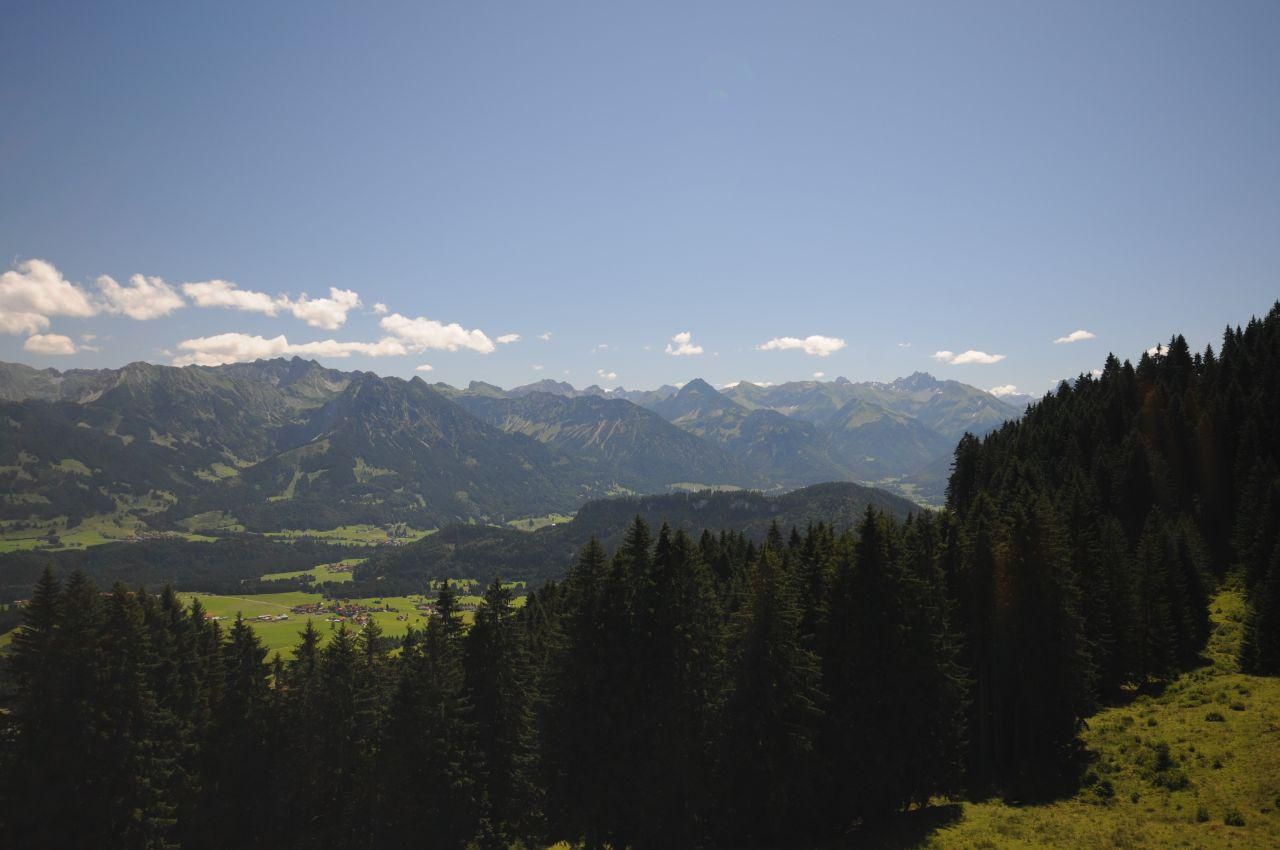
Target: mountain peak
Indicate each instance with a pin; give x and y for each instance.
(698, 387)
(916, 381)
(546, 385)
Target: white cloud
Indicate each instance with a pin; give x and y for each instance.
(22, 323)
(1001, 392)
(49, 344)
(328, 313)
(545, 336)
(240, 347)
(681, 345)
(507, 339)
(607, 376)
(820, 346)
(33, 292)
(380, 308)
(818, 375)
(604, 346)
(965, 358)
(1156, 350)
(1074, 336)
(223, 293)
(425, 367)
(537, 367)
(1097, 373)
(904, 345)
(144, 298)
(421, 334)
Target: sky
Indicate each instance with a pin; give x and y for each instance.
(637, 193)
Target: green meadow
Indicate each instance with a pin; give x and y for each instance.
(1196, 766)
(322, 573)
(533, 523)
(282, 635)
(358, 535)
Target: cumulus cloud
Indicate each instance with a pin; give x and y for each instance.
(425, 367)
(1097, 373)
(224, 293)
(1156, 350)
(819, 375)
(142, 299)
(1001, 392)
(1074, 336)
(607, 376)
(537, 367)
(380, 308)
(49, 344)
(34, 291)
(904, 345)
(507, 339)
(545, 336)
(21, 323)
(422, 333)
(820, 346)
(241, 347)
(965, 358)
(681, 345)
(604, 346)
(328, 313)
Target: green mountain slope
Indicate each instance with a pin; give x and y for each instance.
(624, 444)
(484, 552)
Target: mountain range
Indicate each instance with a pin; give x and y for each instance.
(292, 444)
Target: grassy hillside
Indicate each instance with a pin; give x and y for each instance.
(1195, 766)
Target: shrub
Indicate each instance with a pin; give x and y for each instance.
(1215, 717)
(1233, 817)
(1202, 814)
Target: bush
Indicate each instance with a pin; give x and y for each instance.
(1202, 814)
(1215, 717)
(1233, 817)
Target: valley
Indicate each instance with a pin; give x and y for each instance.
(282, 446)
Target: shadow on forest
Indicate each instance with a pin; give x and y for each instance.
(902, 831)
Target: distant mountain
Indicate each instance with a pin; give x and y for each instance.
(877, 443)
(785, 450)
(625, 444)
(386, 449)
(292, 444)
(486, 552)
(274, 444)
(546, 385)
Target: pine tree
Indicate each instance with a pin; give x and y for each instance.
(499, 688)
(772, 716)
(428, 743)
(1260, 648)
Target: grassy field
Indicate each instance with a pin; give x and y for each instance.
(322, 573)
(533, 523)
(92, 531)
(1196, 766)
(282, 635)
(358, 535)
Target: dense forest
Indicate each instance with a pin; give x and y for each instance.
(484, 552)
(230, 565)
(695, 691)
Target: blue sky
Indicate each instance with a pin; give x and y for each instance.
(979, 177)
